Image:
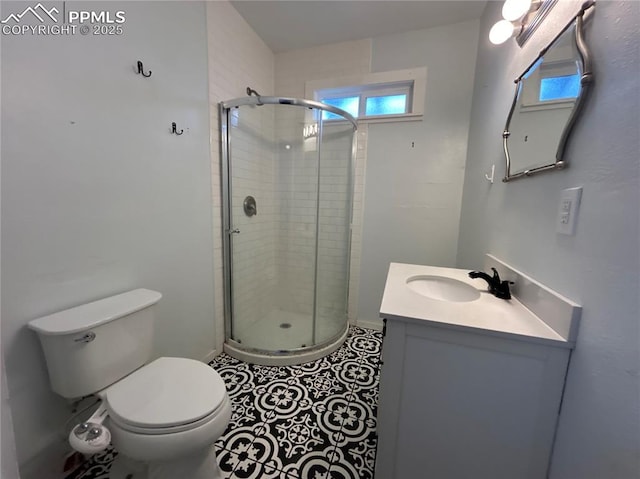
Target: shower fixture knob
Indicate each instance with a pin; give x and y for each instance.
(250, 207)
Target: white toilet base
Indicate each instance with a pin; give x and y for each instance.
(197, 466)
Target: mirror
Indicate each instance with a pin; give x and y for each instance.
(548, 98)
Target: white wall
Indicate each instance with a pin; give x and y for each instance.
(8, 455)
(415, 170)
(407, 216)
(238, 58)
(599, 266)
(97, 196)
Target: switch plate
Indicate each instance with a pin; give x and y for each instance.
(568, 211)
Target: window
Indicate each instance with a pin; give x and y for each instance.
(559, 88)
(373, 97)
(386, 105)
(348, 104)
(366, 101)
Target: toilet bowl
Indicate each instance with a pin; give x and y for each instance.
(163, 416)
(170, 408)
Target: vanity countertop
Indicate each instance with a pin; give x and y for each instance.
(485, 315)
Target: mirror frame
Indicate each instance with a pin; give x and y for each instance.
(586, 80)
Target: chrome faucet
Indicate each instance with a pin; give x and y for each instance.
(498, 288)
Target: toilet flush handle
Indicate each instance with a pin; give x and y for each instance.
(87, 338)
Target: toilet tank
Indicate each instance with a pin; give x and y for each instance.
(93, 345)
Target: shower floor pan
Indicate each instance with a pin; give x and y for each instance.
(284, 338)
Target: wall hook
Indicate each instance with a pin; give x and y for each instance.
(141, 70)
(174, 129)
(493, 171)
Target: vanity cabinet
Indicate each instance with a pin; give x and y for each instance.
(457, 403)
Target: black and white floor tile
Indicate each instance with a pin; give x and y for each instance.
(311, 421)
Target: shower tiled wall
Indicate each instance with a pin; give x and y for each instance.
(333, 226)
(297, 170)
(356, 225)
(254, 269)
(237, 58)
(303, 166)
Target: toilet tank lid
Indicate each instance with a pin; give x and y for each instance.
(90, 315)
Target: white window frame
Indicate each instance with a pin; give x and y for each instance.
(412, 82)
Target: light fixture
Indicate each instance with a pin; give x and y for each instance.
(513, 10)
(502, 31)
(519, 20)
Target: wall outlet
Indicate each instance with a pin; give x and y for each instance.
(568, 211)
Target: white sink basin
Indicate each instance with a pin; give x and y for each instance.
(443, 289)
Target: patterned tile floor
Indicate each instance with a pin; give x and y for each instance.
(311, 421)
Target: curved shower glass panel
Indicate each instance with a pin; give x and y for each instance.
(287, 192)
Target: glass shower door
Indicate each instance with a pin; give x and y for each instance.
(334, 229)
(273, 199)
(288, 186)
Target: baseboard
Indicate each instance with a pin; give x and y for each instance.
(375, 325)
(209, 356)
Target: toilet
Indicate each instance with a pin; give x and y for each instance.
(163, 416)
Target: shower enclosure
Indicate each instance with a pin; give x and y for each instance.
(287, 173)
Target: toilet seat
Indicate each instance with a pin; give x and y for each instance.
(113, 420)
(167, 395)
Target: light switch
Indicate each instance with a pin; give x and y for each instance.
(568, 211)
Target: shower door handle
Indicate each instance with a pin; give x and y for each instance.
(234, 231)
